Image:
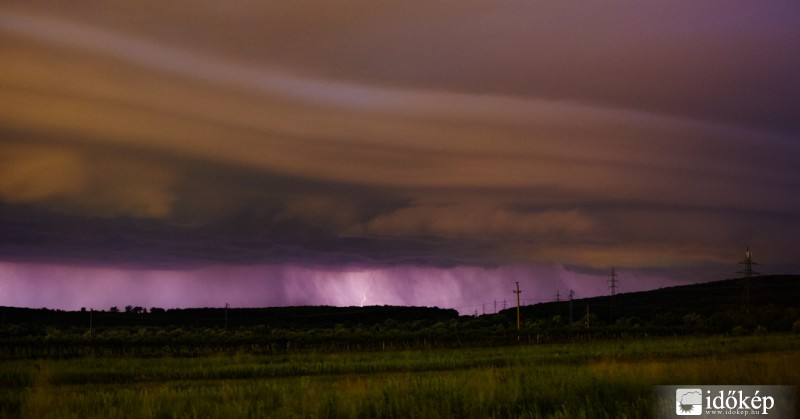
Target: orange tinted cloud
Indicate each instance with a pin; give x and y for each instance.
(69, 180)
(607, 138)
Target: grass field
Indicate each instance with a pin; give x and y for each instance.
(610, 379)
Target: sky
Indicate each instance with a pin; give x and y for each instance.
(198, 153)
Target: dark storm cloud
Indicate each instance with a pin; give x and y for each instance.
(216, 214)
(192, 133)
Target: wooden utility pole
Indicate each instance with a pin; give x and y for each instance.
(587, 317)
(517, 291)
(571, 294)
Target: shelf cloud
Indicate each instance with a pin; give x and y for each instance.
(196, 135)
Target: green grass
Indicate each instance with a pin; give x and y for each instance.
(611, 379)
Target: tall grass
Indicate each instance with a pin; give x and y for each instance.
(593, 380)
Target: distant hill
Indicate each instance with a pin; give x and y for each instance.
(721, 305)
(711, 308)
(671, 304)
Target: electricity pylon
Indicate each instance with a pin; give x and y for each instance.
(748, 273)
(613, 284)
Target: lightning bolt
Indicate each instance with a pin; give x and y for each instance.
(366, 290)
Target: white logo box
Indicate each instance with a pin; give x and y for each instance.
(730, 401)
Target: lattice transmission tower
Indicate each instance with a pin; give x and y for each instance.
(747, 275)
(613, 282)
